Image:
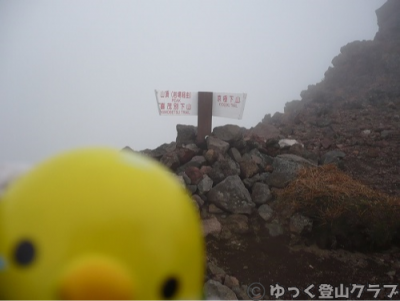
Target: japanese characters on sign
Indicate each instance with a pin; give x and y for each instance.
(176, 102)
(230, 105)
(172, 103)
(256, 291)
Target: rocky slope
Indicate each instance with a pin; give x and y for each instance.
(241, 177)
(235, 181)
(356, 107)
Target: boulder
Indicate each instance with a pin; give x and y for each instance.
(211, 156)
(228, 133)
(185, 155)
(160, 151)
(232, 196)
(288, 142)
(198, 200)
(260, 193)
(196, 161)
(214, 290)
(194, 174)
(205, 184)
(265, 212)
(249, 182)
(223, 168)
(261, 159)
(265, 131)
(171, 160)
(186, 134)
(285, 169)
(217, 145)
(248, 167)
(235, 154)
(332, 157)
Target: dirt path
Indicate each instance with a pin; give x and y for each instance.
(256, 257)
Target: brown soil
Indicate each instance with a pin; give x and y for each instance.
(257, 257)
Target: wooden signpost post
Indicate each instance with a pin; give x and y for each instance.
(204, 116)
(203, 104)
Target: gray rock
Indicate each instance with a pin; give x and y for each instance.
(198, 200)
(192, 188)
(214, 290)
(194, 174)
(161, 150)
(193, 147)
(299, 150)
(241, 292)
(215, 270)
(285, 168)
(264, 131)
(265, 212)
(128, 149)
(249, 182)
(205, 184)
(279, 179)
(170, 160)
(228, 133)
(185, 154)
(299, 223)
(186, 134)
(211, 226)
(211, 156)
(217, 144)
(248, 167)
(231, 281)
(235, 154)
(260, 159)
(186, 178)
(223, 168)
(295, 159)
(264, 176)
(232, 196)
(274, 229)
(334, 156)
(287, 143)
(261, 193)
(197, 161)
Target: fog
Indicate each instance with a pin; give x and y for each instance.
(83, 73)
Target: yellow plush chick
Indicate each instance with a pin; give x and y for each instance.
(99, 224)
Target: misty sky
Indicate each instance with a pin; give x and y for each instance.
(83, 73)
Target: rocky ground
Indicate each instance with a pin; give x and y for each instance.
(351, 119)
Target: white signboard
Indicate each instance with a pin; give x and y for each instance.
(173, 103)
(183, 103)
(229, 105)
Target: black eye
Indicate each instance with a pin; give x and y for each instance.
(169, 288)
(24, 252)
